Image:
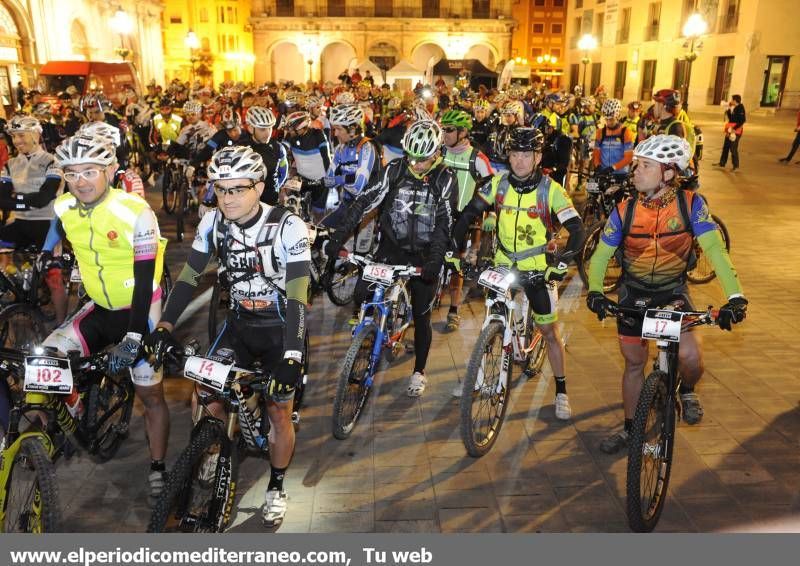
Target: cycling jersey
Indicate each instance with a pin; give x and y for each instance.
(35, 182)
(613, 147)
(498, 146)
(219, 140)
(587, 125)
(194, 136)
(354, 165)
(275, 158)
(479, 134)
(311, 154)
(263, 262)
(469, 165)
(391, 138)
(108, 239)
(632, 124)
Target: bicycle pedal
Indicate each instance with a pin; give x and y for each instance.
(295, 417)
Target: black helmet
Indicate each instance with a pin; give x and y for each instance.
(526, 139)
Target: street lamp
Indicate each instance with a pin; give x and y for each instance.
(192, 42)
(694, 27)
(521, 60)
(122, 24)
(586, 43)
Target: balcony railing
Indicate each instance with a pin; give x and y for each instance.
(651, 32)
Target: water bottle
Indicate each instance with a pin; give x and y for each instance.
(74, 404)
(27, 275)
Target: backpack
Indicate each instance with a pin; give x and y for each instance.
(688, 127)
(542, 200)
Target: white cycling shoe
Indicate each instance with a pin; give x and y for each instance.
(274, 508)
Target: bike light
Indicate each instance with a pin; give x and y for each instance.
(511, 277)
(38, 350)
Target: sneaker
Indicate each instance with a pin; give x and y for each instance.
(274, 508)
(563, 410)
(416, 385)
(614, 443)
(157, 481)
(783, 160)
(735, 169)
(692, 410)
(453, 321)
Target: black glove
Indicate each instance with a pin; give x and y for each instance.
(157, 342)
(733, 312)
(607, 171)
(597, 303)
(285, 377)
(333, 247)
(430, 271)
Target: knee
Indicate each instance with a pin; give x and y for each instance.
(635, 364)
(152, 397)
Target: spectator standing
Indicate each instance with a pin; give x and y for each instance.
(795, 143)
(355, 78)
(20, 96)
(734, 126)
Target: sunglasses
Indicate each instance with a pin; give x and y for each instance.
(233, 191)
(75, 176)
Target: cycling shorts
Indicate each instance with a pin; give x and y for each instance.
(543, 298)
(634, 297)
(254, 340)
(23, 233)
(93, 328)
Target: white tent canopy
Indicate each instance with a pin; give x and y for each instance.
(404, 70)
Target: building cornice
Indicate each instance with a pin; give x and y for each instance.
(389, 25)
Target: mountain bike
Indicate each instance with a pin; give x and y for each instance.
(382, 324)
(201, 487)
(703, 272)
(42, 429)
(175, 192)
(603, 193)
(652, 439)
(508, 335)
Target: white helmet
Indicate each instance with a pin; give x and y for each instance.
(312, 101)
(669, 150)
(19, 124)
(346, 115)
(236, 162)
(422, 139)
(102, 130)
(260, 117)
(513, 107)
(611, 107)
(192, 107)
(421, 113)
(345, 97)
(293, 99)
(84, 148)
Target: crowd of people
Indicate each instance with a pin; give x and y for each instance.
(429, 162)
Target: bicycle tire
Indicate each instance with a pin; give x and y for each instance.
(344, 423)
(702, 271)
(19, 316)
(32, 454)
(105, 396)
(166, 284)
(403, 304)
(339, 290)
(177, 494)
(477, 443)
(168, 190)
(614, 270)
(654, 395)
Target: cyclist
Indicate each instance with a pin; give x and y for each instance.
(356, 161)
(632, 118)
(527, 202)
(555, 107)
(52, 134)
(311, 157)
(124, 178)
(230, 134)
(116, 241)
(557, 151)
(470, 165)
(166, 124)
(654, 233)
(261, 122)
(414, 207)
(613, 146)
(195, 132)
(583, 126)
(391, 136)
(29, 184)
(666, 111)
(511, 116)
(264, 258)
(482, 125)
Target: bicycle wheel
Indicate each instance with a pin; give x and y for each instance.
(650, 454)
(21, 327)
(484, 400)
(614, 270)
(351, 390)
(343, 285)
(31, 500)
(703, 272)
(166, 284)
(169, 190)
(108, 415)
(200, 489)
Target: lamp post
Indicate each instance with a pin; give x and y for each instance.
(586, 43)
(122, 24)
(548, 61)
(694, 27)
(192, 42)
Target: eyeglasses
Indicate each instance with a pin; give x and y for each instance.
(88, 174)
(232, 191)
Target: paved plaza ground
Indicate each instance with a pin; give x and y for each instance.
(405, 469)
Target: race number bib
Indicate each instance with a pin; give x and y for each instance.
(662, 325)
(46, 374)
(207, 372)
(378, 273)
(496, 278)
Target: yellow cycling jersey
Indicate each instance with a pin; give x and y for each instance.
(105, 239)
(168, 129)
(524, 219)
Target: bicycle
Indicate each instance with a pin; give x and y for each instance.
(42, 429)
(201, 487)
(507, 335)
(604, 192)
(175, 191)
(703, 272)
(652, 437)
(382, 324)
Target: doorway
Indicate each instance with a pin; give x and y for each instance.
(722, 79)
(774, 80)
